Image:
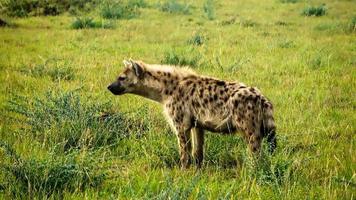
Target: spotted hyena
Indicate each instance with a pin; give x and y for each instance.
(195, 103)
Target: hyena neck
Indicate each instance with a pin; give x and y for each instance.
(159, 84)
(149, 92)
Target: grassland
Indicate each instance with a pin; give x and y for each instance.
(63, 135)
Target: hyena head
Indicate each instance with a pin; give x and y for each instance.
(129, 80)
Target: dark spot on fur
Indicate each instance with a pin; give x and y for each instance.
(242, 87)
(192, 92)
(220, 83)
(215, 97)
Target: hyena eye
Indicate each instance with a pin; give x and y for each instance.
(121, 78)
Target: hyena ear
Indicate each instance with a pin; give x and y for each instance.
(127, 63)
(139, 71)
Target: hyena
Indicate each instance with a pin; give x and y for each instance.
(194, 103)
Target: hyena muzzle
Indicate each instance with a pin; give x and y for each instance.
(196, 103)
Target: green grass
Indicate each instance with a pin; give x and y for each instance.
(63, 135)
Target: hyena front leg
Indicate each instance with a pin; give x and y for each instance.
(185, 146)
(198, 146)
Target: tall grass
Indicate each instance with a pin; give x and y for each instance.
(31, 178)
(64, 120)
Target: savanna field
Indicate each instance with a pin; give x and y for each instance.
(63, 135)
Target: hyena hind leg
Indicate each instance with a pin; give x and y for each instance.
(253, 138)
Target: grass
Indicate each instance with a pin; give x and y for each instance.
(64, 136)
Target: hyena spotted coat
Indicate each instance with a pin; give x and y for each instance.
(195, 103)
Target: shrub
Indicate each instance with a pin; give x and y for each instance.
(209, 9)
(289, 1)
(47, 177)
(228, 21)
(197, 40)
(120, 10)
(247, 23)
(314, 11)
(286, 44)
(6, 23)
(172, 6)
(351, 26)
(86, 22)
(62, 118)
(182, 57)
(138, 3)
(23, 8)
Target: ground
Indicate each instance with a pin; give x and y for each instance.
(304, 65)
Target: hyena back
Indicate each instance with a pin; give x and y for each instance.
(196, 103)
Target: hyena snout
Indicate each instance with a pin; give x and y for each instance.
(116, 88)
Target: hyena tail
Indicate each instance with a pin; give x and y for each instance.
(268, 128)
